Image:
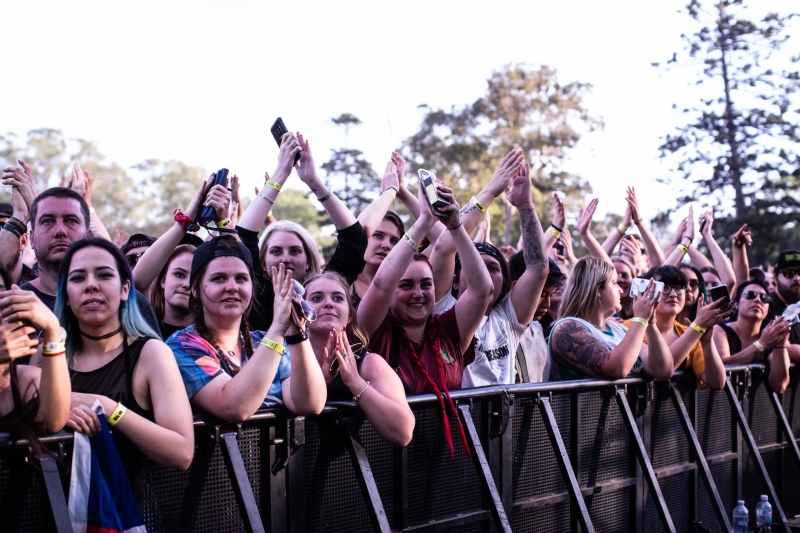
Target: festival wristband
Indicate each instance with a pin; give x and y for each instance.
(641, 321)
(683, 248)
(272, 345)
(390, 190)
(554, 232)
(275, 185)
(117, 414)
(325, 196)
(224, 223)
(54, 354)
(622, 229)
(53, 348)
(477, 203)
(759, 347)
(697, 328)
(412, 243)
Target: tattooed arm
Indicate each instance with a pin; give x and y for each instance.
(577, 347)
(526, 292)
(444, 252)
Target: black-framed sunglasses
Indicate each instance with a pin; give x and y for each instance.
(752, 295)
(790, 273)
(132, 259)
(694, 284)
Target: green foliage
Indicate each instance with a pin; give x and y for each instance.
(295, 205)
(738, 151)
(523, 108)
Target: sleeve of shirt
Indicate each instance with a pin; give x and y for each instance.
(348, 258)
(196, 360)
(250, 240)
(444, 304)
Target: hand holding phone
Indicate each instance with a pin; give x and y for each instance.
(278, 130)
(207, 212)
(435, 201)
(639, 286)
(720, 292)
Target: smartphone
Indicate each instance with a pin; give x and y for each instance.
(429, 187)
(559, 247)
(278, 129)
(207, 212)
(720, 292)
(639, 286)
(702, 224)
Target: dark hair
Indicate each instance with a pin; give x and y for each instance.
(5, 276)
(395, 219)
(156, 290)
(752, 281)
(710, 269)
(354, 333)
(516, 268)
(484, 248)
(223, 242)
(61, 192)
(758, 273)
(668, 274)
(701, 285)
(131, 319)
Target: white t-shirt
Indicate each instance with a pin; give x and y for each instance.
(496, 344)
(533, 353)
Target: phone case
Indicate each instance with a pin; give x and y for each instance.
(429, 187)
(278, 129)
(207, 212)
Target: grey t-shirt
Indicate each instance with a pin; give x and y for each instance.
(533, 358)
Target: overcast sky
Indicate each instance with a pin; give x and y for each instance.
(203, 81)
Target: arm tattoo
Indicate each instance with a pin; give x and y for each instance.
(532, 238)
(469, 208)
(580, 349)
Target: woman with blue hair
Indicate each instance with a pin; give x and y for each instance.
(117, 359)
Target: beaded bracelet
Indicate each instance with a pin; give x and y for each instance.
(358, 396)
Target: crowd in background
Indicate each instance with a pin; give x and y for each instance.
(231, 310)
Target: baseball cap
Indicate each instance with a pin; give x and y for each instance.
(222, 246)
(787, 258)
(137, 240)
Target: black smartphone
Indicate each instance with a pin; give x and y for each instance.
(207, 212)
(559, 247)
(429, 187)
(720, 292)
(702, 224)
(278, 129)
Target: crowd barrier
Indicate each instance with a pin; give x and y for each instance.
(625, 455)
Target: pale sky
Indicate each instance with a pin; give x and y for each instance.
(203, 81)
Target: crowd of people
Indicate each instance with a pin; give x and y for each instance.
(253, 316)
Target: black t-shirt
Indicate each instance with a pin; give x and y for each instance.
(144, 306)
(776, 308)
(168, 329)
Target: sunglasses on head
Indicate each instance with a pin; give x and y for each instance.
(790, 273)
(752, 295)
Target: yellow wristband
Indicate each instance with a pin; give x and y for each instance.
(683, 248)
(52, 348)
(117, 414)
(412, 243)
(390, 190)
(272, 345)
(759, 346)
(641, 321)
(622, 229)
(478, 204)
(697, 328)
(224, 223)
(554, 232)
(274, 184)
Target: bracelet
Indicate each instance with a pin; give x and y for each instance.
(697, 328)
(358, 396)
(478, 204)
(18, 223)
(412, 243)
(556, 228)
(275, 185)
(297, 338)
(622, 229)
(641, 321)
(185, 221)
(390, 190)
(53, 348)
(267, 198)
(759, 347)
(115, 417)
(224, 223)
(687, 237)
(552, 231)
(779, 347)
(683, 248)
(272, 345)
(53, 354)
(11, 228)
(325, 196)
(451, 229)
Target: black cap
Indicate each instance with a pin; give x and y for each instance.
(211, 250)
(191, 238)
(786, 259)
(6, 210)
(137, 240)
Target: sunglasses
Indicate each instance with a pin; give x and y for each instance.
(789, 273)
(305, 308)
(752, 295)
(133, 259)
(694, 284)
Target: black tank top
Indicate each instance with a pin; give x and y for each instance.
(115, 380)
(735, 344)
(16, 411)
(337, 390)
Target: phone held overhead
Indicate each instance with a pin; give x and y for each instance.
(278, 130)
(436, 202)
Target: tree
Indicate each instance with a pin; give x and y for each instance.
(349, 174)
(738, 152)
(523, 107)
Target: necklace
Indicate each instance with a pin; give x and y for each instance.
(102, 337)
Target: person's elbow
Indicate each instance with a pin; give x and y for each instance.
(183, 459)
(56, 423)
(404, 431)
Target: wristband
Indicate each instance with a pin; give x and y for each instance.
(478, 204)
(555, 233)
(641, 321)
(11, 228)
(53, 354)
(20, 225)
(683, 248)
(358, 396)
(297, 338)
(697, 328)
(687, 237)
(622, 229)
(390, 190)
(412, 243)
(117, 414)
(272, 345)
(779, 347)
(556, 228)
(759, 347)
(224, 223)
(185, 221)
(53, 348)
(275, 185)
(452, 229)
(267, 198)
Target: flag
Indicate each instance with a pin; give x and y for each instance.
(100, 496)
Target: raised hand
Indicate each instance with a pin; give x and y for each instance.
(120, 237)
(348, 368)
(644, 305)
(290, 145)
(235, 197)
(219, 197)
(21, 181)
(633, 207)
(283, 286)
(709, 315)
(305, 166)
(17, 305)
(505, 172)
(569, 254)
(689, 224)
(390, 177)
(14, 341)
(78, 180)
(400, 164)
(775, 332)
(742, 237)
(520, 194)
(452, 217)
(330, 364)
(680, 232)
(193, 210)
(559, 218)
(708, 216)
(585, 217)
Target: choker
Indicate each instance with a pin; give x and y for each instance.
(102, 337)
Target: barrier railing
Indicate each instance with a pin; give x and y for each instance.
(626, 455)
